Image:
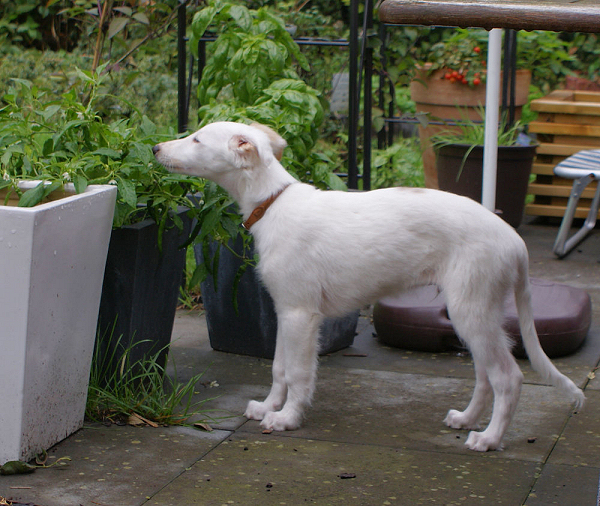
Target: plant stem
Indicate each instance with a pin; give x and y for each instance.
(106, 8)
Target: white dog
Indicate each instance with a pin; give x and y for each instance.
(325, 253)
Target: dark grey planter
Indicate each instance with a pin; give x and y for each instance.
(140, 291)
(252, 330)
(514, 168)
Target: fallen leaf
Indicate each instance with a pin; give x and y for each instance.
(136, 420)
(16, 467)
(203, 426)
(591, 375)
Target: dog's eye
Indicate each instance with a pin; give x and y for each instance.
(195, 140)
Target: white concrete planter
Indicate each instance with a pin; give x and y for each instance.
(52, 264)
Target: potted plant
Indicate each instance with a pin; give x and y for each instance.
(65, 140)
(53, 261)
(459, 164)
(449, 84)
(250, 77)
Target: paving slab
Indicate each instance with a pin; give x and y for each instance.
(257, 469)
(112, 466)
(565, 486)
(579, 443)
(407, 411)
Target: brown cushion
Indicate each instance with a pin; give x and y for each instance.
(418, 320)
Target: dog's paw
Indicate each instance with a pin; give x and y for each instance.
(256, 410)
(482, 442)
(281, 421)
(457, 420)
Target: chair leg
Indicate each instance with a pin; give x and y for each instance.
(563, 243)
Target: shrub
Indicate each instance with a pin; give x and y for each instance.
(63, 139)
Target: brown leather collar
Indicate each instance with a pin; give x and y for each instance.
(261, 209)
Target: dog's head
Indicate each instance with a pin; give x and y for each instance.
(220, 148)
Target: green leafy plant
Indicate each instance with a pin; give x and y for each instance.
(250, 77)
(462, 56)
(62, 140)
(139, 392)
(472, 134)
(400, 164)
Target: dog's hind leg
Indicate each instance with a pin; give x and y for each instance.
(482, 397)
(477, 317)
(297, 336)
(506, 379)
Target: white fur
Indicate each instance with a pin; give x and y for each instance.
(324, 253)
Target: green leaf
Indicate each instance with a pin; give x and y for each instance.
(335, 182)
(127, 192)
(202, 20)
(50, 111)
(111, 153)
(84, 75)
(210, 222)
(80, 183)
(33, 196)
(116, 25)
(242, 16)
(141, 17)
(16, 467)
(124, 10)
(198, 276)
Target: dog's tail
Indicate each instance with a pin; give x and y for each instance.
(539, 360)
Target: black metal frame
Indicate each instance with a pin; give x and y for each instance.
(355, 68)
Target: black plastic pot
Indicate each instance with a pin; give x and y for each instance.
(252, 330)
(140, 291)
(514, 169)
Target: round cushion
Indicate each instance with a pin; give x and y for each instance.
(418, 319)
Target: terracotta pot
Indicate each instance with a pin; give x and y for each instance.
(441, 99)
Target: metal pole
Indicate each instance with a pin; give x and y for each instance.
(353, 97)
(381, 135)
(182, 119)
(368, 98)
(490, 149)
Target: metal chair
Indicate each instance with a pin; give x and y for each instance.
(583, 167)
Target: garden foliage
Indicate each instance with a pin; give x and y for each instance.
(64, 140)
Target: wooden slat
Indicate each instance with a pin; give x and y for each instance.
(586, 96)
(549, 210)
(543, 169)
(571, 119)
(564, 150)
(566, 107)
(564, 129)
(552, 190)
(556, 15)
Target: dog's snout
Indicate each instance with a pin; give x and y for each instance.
(156, 148)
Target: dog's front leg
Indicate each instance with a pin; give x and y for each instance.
(297, 339)
(274, 401)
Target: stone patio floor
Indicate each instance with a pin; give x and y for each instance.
(374, 435)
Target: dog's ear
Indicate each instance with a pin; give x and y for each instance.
(245, 150)
(278, 143)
